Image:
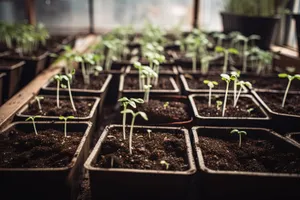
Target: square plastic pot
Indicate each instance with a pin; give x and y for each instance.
(136, 184)
(2, 75)
(47, 183)
(224, 184)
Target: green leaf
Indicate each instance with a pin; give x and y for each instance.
(215, 82)
(206, 82)
(70, 117)
(138, 100)
(123, 99)
(127, 111)
(283, 75)
(219, 49)
(132, 103)
(225, 77)
(234, 131)
(29, 118)
(143, 115)
(243, 132)
(61, 118)
(233, 51)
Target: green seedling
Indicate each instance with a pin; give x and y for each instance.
(241, 84)
(148, 73)
(240, 133)
(68, 78)
(125, 102)
(38, 100)
(205, 60)
(250, 110)
(32, 118)
(149, 133)
(220, 37)
(166, 105)
(139, 67)
(58, 79)
(134, 115)
(211, 85)
(219, 105)
(69, 56)
(65, 120)
(227, 79)
(290, 79)
(234, 76)
(226, 52)
(164, 163)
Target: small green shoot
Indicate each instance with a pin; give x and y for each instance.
(166, 105)
(219, 105)
(149, 133)
(234, 77)
(226, 52)
(241, 84)
(58, 79)
(227, 79)
(32, 118)
(290, 79)
(250, 110)
(164, 163)
(240, 133)
(65, 120)
(68, 78)
(210, 84)
(38, 100)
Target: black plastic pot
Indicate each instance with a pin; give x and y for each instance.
(138, 184)
(32, 67)
(2, 75)
(294, 137)
(12, 79)
(297, 19)
(47, 183)
(186, 90)
(281, 122)
(229, 121)
(248, 25)
(223, 184)
(153, 92)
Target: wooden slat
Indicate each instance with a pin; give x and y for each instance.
(8, 110)
(30, 9)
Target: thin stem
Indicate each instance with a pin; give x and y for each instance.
(71, 97)
(131, 133)
(245, 57)
(225, 99)
(240, 140)
(140, 79)
(238, 96)
(34, 127)
(234, 90)
(124, 123)
(194, 59)
(57, 94)
(209, 97)
(286, 92)
(225, 61)
(39, 104)
(86, 78)
(65, 129)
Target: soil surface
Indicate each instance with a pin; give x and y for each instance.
(96, 82)
(274, 101)
(162, 69)
(196, 82)
(49, 108)
(241, 110)
(272, 83)
(147, 152)
(132, 83)
(255, 155)
(296, 137)
(214, 69)
(47, 149)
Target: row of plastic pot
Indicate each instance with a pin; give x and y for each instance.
(199, 164)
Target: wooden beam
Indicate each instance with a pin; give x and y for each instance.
(196, 13)
(91, 16)
(31, 14)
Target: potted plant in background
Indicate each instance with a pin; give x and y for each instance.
(253, 17)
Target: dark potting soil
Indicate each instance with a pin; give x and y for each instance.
(47, 149)
(162, 69)
(147, 152)
(132, 83)
(241, 110)
(96, 82)
(296, 137)
(274, 101)
(176, 111)
(272, 83)
(255, 155)
(49, 108)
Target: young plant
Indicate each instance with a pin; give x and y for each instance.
(220, 37)
(219, 105)
(290, 79)
(149, 131)
(139, 67)
(125, 102)
(240, 133)
(148, 73)
(211, 85)
(205, 60)
(134, 115)
(234, 76)
(227, 79)
(65, 120)
(241, 84)
(166, 105)
(226, 52)
(69, 56)
(68, 79)
(32, 118)
(164, 163)
(38, 100)
(58, 79)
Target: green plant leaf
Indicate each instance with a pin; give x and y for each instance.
(234, 131)
(219, 49)
(283, 75)
(233, 51)
(143, 115)
(127, 111)
(132, 103)
(138, 100)
(70, 117)
(61, 118)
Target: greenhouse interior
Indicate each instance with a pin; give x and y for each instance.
(149, 99)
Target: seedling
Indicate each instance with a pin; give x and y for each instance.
(220, 37)
(68, 78)
(134, 115)
(65, 119)
(226, 52)
(38, 100)
(166, 105)
(148, 73)
(250, 110)
(227, 79)
(164, 163)
(240, 133)
(234, 77)
(68, 56)
(241, 84)
(219, 105)
(290, 79)
(205, 60)
(32, 118)
(211, 85)
(125, 102)
(139, 67)
(58, 79)
(149, 133)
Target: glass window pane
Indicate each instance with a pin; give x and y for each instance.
(210, 18)
(13, 11)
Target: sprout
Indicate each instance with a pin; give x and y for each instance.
(234, 77)
(65, 119)
(134, 115)
(210, 84)
(241, 83)
(58, 79)
(240, 133)
(32, 118)
(139, 67)
(68, 56)
(149, 132)
(226, 55)
(148, 73)
(250, 110)
(227, 79)
(166, 105)
(220, 37)
(38, 100)
(125, 102)
(68, 78)
(290, 79)
(219, 104)
(205, 63)
(164, 163)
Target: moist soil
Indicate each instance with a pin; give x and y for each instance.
(162, 69)
(147, 152)
(296, 137)
(241, 110)
(214, 69)
(96, 82)
(196, 82)
(49, 108)
(272, 83)
(255, 155)
(132, 83)
(47, 149)
(275, 70)
(274, 101)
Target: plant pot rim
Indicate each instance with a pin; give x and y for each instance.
(27, 58)
(199, 91)
(256, 95)
(101, 90)
(122, 81)
(73, 161)
(196, 113)
(207, 170)
(253, 17)
(2, 74)
(92, 111)
(96, 151)
(289, 137)
(15, 64)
